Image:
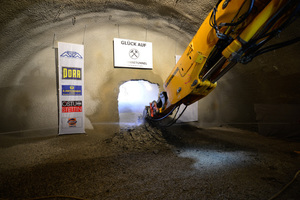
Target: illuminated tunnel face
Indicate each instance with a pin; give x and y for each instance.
(132, 99)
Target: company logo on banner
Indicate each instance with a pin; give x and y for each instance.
(71, 106)
(71, 85)
(71, 54)
(72, 123)
(132, 54)
(71, 90)
(71, 73)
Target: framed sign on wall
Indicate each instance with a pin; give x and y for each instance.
(132, 54)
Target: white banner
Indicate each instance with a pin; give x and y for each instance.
(132, 54)
(71, 88)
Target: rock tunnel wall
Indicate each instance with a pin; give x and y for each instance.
(30, 31)
(28, 42)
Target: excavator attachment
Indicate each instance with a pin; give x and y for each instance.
(233, 32)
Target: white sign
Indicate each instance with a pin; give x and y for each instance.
(132, 54)
(71, 88)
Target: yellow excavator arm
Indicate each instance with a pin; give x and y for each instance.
(234, 31)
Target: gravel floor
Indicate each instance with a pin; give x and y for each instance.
(181, 162)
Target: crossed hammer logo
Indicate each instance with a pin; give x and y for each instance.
(134, 54)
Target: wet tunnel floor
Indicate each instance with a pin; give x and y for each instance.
(181, 162)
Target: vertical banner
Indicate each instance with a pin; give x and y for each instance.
(71, 88)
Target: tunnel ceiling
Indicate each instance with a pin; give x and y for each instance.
(25, 20)
(19, 18)
(24, 24)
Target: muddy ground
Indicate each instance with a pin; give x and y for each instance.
(179, 162)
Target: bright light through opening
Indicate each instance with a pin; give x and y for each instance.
(132, 99)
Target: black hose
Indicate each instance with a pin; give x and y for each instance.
(243, 16)
(213, 21)
(276, 46)
(291, 19)
(163, 116)
(254, 50)
(247, 58)
(174, 121)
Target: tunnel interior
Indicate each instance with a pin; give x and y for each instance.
(239, 142)
(28, 73)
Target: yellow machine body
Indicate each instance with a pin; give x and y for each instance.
(204, 61)
(191, 63)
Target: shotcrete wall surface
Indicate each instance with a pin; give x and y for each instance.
(29, 35)
(30, 30)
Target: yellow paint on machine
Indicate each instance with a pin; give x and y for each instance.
(186, 72)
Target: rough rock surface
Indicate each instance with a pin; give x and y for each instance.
(180, 162)
(142, 138)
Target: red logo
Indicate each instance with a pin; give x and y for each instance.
(71, 106)
(72, 109)
(72, 122)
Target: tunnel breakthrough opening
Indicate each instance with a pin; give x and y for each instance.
(133, 96)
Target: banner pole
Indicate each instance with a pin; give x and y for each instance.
(83, 35)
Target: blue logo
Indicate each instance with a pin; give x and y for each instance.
(71, 54)
(71, 90)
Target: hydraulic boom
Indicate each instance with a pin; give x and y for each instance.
(233, 32)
